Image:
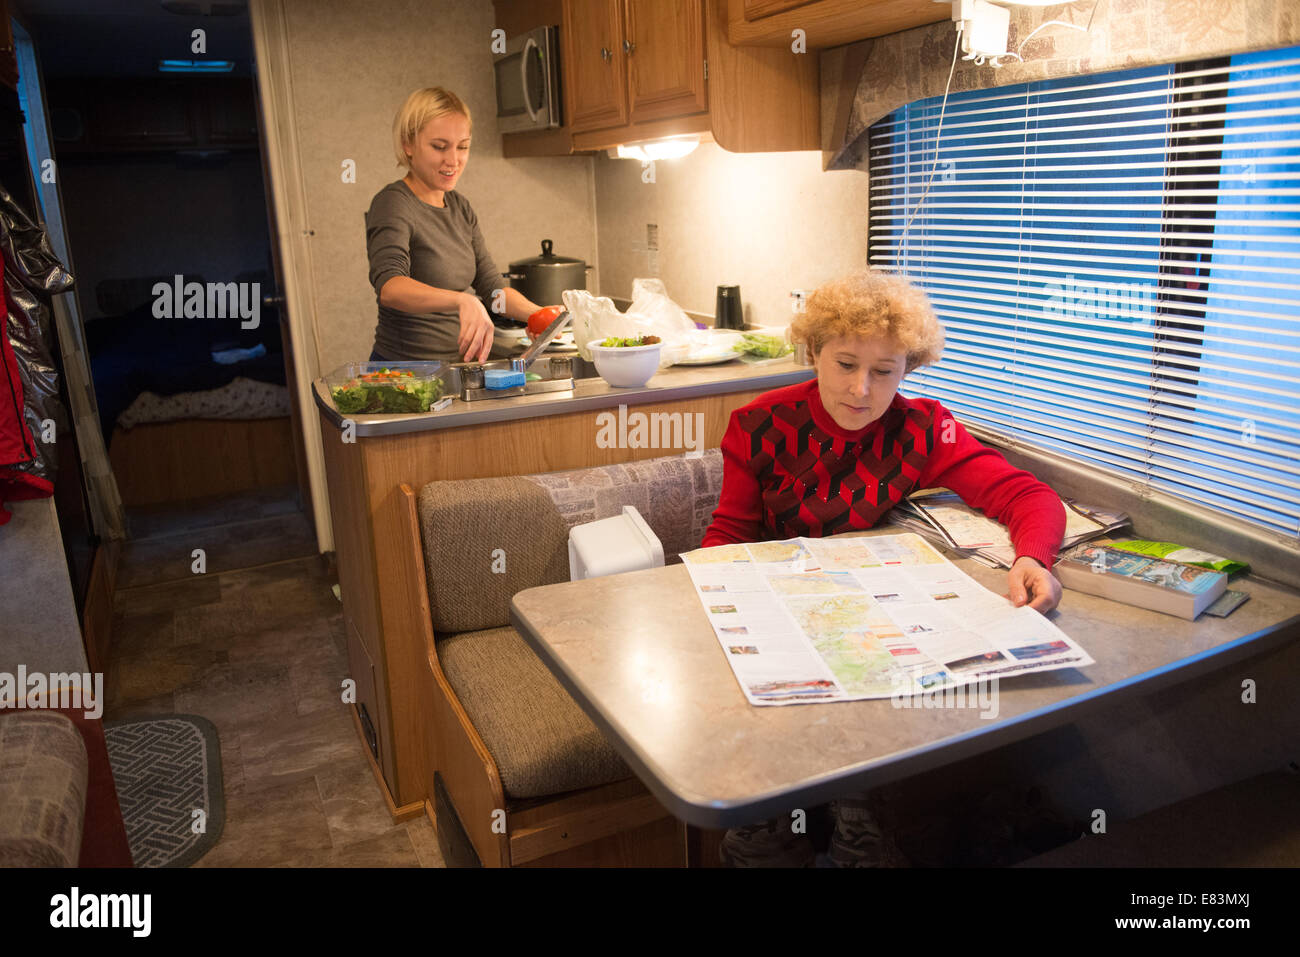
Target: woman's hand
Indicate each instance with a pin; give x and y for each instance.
(1030, 581)
(476, 329)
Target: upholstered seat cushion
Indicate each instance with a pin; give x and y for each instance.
(43, 769)
(542, 742)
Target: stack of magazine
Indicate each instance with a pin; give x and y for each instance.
(940, 515)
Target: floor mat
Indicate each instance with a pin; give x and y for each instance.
(166, 769)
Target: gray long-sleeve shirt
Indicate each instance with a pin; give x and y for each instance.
(441, 247)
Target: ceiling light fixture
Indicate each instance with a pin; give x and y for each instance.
(195, 66)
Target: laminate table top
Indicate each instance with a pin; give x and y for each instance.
(637, 652)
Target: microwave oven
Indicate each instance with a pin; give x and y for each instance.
(528, 82)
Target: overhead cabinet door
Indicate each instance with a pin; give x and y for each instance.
(594, 64)
(665, 58)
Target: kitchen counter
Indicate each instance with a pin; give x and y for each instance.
(368, 464)
(675, 382)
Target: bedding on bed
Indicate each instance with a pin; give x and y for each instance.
(241, 399)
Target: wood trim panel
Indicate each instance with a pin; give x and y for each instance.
(297, 422)
(831, 23)
(761, 100)
(448, 740)
(567, 831)
(758, 9)
(357, 570)
(657, 844)
(199, 458)
(537, 143)
(97, 615)
(406, 812)
(636, 132)
(520, 16)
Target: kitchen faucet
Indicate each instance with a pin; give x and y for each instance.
(522, 363)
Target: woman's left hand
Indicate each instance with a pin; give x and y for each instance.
(1031, 582)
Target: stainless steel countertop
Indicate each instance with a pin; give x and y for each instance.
(676, 382)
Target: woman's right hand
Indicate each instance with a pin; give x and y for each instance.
(476, 329)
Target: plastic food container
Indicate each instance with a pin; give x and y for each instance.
(386, 388)
(626, 367)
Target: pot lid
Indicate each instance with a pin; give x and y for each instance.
(547, 258)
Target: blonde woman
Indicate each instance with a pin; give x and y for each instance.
(429, 264)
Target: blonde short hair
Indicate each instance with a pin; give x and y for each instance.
(421, 107)
(872, 305)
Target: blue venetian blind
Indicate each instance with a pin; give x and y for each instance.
(1116, 260)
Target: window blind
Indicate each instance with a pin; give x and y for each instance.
(1116, 262)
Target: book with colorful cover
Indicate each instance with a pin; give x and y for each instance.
(1174, 588)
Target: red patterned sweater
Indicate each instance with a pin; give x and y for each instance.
(789, 471)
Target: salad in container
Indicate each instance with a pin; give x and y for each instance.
(386, 387)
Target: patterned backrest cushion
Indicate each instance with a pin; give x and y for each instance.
(487, 539)
(675, 495)
(43, 773)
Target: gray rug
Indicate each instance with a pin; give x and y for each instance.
(166, 768)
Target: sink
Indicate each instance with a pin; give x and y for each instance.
(579, 368)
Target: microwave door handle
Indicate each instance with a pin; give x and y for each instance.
(523, 78)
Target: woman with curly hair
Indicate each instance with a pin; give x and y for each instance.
(836, 453)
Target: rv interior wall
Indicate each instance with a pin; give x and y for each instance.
(775, 218)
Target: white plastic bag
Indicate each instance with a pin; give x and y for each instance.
(651, 313)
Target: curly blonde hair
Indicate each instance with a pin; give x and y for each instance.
(421, 107)
(871, 305)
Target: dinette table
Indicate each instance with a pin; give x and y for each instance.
(637, 652)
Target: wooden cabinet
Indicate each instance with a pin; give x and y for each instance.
(632, 61)
(636, 70)
(665, 54)
(825, 23)
(132, 114)
(593, 64)
(140, 119)
(232, 118)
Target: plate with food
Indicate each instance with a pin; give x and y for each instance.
(712, 356)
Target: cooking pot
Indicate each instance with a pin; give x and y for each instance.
(543, 278)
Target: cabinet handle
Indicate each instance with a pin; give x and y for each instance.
(606, 55)
(629, 48)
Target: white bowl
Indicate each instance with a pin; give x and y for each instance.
(626, 367)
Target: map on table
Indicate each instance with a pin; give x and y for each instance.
(812, 619)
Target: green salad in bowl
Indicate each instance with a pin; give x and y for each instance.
(387, 390)
(763, 346)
